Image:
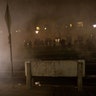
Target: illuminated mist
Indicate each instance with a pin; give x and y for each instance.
(27, 14)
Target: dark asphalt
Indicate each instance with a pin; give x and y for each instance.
(17, 87)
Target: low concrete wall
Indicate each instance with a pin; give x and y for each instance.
(55, 68)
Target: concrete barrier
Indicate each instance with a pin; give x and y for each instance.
(55, 68)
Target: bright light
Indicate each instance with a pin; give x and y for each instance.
(94, 25)
(37, 28)
(36, 31)
(45, 28)
(71, 25)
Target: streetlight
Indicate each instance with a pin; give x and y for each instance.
(94, 26)
(38, 28)
(36, 31)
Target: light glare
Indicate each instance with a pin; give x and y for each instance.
(45, 28)
(94, 25)
(36, 31)
(37, 28)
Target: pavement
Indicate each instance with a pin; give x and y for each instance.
(16, 87)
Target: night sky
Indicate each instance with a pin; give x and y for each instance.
(24, 11)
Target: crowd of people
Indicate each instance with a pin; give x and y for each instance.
(47, 42)
(58, 42)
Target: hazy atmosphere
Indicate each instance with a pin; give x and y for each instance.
(48, 46)
(27, 14)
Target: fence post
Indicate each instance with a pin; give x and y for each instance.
(28, 74)
(79, 75)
